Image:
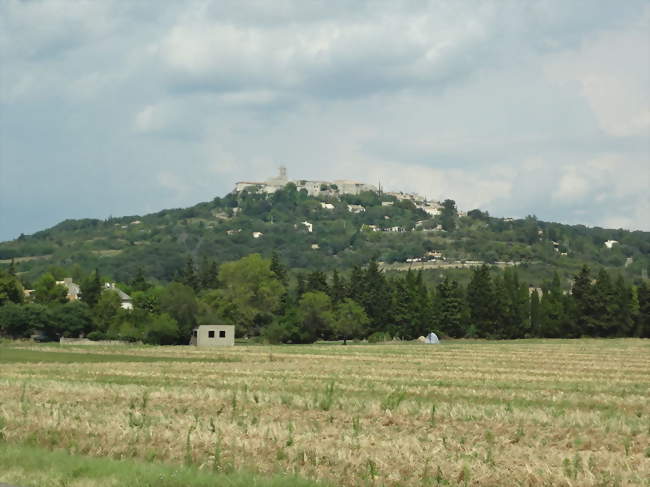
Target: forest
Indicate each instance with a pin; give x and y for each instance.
(270, 302)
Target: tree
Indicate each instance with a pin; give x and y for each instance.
(188, 275)
(71, 319)
(91, 288)
(139, 282)
(315, 316)
(278, 268)
(317, 281)
(14, 321)
(553, 317)
(448, 215)
(480, 300)
(106, 310)
(350, 320)
(584, 299)
(250, 290)
(47, 291)
(179, 302)
(338, 291)
(643, 317)
(162, 330)
(535, 321)
(11, 291)
(448, 308)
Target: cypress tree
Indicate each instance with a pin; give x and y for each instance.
(278, 268)
(535, 315)
(480, 301)
(584, 300)
(643, 316)
(338, 292)
(448, 309)
(91, 288)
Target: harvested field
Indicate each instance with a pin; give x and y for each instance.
(527, 412)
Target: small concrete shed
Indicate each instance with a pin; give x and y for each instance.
(213, 336)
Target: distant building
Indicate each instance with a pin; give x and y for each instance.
(125, 300)
(327, 206)
(313, 188)
(257, 234)
(610, 243)
(74, 290)
(213, 336)
(356, 209)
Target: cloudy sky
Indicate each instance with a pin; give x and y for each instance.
(517, 107)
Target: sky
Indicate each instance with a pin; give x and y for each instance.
(116, 107)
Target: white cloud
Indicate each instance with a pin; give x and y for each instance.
(513, 107)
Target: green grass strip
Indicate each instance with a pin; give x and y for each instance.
(29, 466)
(17, 355)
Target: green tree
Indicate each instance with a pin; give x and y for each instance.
(11, 291)
(179, 302)
(448, 215)
(535, 318)
(106, 310)
(585, 305)
(47, 291)
(139, 282)
(71, 319)
(250, 290)
(163, 330)
(350, 320)
(91, 288)
(315, 316)
(643, 316)
(481, 302)
(188, 276)
(448, 308)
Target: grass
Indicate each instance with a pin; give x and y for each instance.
(524, 412)
(20, 355)
(28, 466)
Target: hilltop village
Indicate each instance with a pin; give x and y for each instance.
(334, 189)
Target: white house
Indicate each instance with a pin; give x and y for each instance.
(213, 336)
(356, 209)
(308, 226)
(327, 206)
(610, 243)
(125, 300)
(257, 234)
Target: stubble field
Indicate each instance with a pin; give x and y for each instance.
(554, 412)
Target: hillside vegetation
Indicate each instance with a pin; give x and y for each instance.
(159, 244)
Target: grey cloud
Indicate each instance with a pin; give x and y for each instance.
(126, 107)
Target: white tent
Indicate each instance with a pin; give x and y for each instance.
(432, 339)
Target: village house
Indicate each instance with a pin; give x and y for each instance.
(356, 209)
(74, 290)
(213, 336)
(610, 243)
(327, 206)
(257, 234)
(125, 300)
(313, 188)
(308, 226)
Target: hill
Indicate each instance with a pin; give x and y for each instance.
(325, 232)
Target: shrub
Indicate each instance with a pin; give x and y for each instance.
(96, 336)
(379, 337)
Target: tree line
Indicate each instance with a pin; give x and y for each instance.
(263, 298)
